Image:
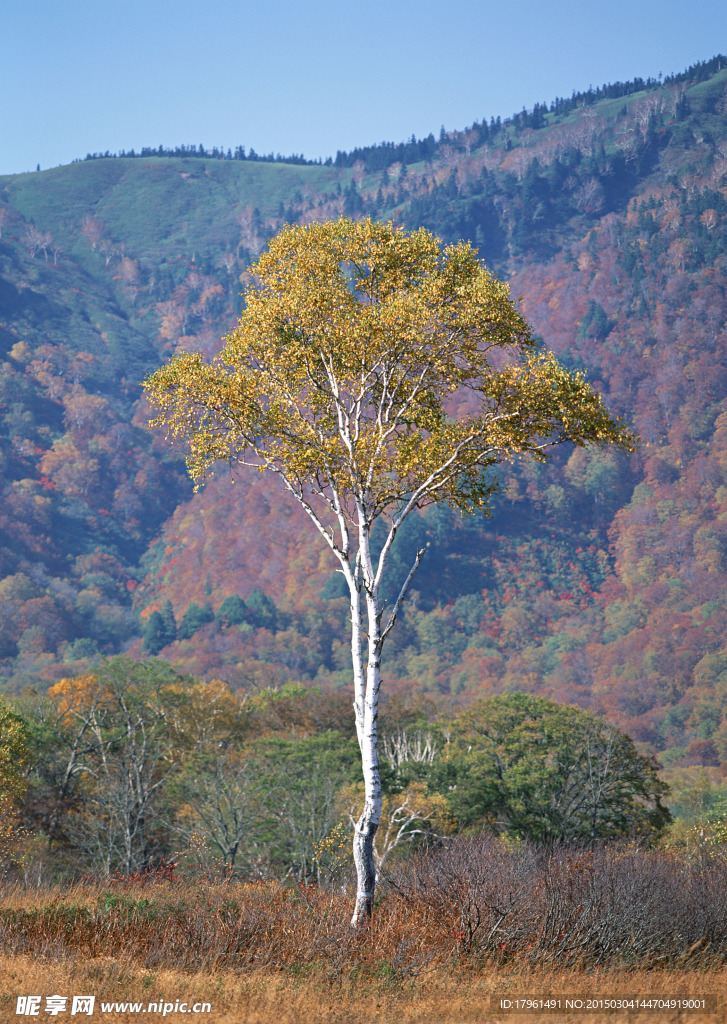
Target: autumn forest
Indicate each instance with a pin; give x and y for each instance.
(598, 580)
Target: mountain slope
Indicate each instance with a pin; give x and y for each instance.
(599, 579)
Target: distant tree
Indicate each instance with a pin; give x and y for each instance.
(153, 634)
(71, 468)
(169, 622)
(549, 771)
(220, 797)
(109, 249)
(13, 753)
(14, 759)
(116, 751)
(374, 373)
(232, 611)
(595, 323)
(302, 781)
(260, 610)
(38, 241)
(159, 630)
(194, 618)
(93, 231)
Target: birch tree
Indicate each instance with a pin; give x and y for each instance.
(117, 727)
(374, 372)
(412, 814)
(221, 799)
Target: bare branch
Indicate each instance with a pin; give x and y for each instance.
(402, 593)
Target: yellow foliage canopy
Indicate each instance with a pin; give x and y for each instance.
(355, 339)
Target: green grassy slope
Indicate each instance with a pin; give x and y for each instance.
(161, 208)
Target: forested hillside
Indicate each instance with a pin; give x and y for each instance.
(599, 580)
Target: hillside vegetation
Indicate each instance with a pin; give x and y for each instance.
(599, 580)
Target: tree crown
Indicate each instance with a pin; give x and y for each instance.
(377, 366)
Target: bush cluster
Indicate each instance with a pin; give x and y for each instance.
(474, 901)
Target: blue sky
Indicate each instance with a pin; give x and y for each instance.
(91, 75)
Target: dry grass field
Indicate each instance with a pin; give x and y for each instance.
(239, 997)
(452, 930)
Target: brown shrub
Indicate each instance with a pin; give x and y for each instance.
(473, 901)
(617, 905)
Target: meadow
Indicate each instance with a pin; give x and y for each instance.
(476, 919)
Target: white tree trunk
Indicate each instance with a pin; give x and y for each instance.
(368, 823)
(363, 579)
(367, 714)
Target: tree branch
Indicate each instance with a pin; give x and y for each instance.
(402, 593)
